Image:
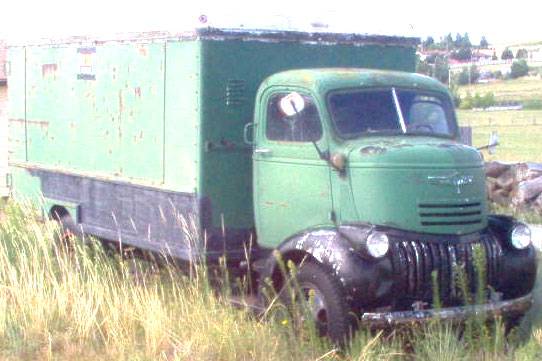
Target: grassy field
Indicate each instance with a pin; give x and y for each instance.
(84, 304)
(521, 89)
(520, 133)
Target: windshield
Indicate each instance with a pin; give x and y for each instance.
(361, 112)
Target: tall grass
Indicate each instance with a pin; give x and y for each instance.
(85, 304)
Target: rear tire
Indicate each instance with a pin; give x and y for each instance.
(68, 233)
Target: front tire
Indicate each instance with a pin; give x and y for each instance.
(326, 302)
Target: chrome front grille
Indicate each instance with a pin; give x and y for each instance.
(415, 261)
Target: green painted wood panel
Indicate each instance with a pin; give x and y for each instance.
(182, 109)
(16, 104)
(111, 123)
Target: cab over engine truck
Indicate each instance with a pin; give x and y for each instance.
(324, 148)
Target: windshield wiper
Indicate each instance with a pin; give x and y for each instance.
(398, 109)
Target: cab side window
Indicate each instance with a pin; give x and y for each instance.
(292, 117)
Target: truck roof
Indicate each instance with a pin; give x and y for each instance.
(326, 79)
(211, 33)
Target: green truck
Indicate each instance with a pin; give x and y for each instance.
(324, 148)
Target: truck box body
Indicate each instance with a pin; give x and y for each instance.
(134, 133)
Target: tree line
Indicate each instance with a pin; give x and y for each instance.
(461, 48)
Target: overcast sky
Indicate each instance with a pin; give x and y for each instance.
(499, 22)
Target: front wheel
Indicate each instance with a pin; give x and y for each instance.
(325, 301)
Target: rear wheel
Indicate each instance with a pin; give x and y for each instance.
(68, 232)
(325, 301)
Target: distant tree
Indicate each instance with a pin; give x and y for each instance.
(441, 70)
(462, 54)
(507, 54)
(494, 57)
(465, 42)
(458, 40)
(522, 54)
(519, 68)
(428, 43)
(468, 75)
(483, 43)
(447, 43)
(463, 78)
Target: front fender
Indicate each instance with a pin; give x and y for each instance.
(365, 281)
(516, 264)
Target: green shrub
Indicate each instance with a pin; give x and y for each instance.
(519, 68)
(534, 104)
(478, 101)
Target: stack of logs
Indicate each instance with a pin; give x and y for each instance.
(518, 184)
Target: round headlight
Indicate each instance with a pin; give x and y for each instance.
(521, 236)
(377, 244)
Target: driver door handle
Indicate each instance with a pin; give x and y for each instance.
(262, 150)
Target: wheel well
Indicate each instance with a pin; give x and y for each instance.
(296, 257)
(58, 212)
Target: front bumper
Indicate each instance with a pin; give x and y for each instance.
(512, 307)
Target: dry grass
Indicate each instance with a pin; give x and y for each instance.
(88, 305)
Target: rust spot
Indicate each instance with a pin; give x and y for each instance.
(142, 51)
(137, 92)
(121, 102)
(49, 70)
(34, 122)
(281, 204)
(373, 150)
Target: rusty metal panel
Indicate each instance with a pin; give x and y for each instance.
(16, 104)
(98, 109)
(182, 109)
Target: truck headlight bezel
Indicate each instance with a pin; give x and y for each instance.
(520, 236)
(378, 244)
(368, 242)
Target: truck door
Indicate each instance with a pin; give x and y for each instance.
(291, 183)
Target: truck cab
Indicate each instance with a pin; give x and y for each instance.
(359, 175)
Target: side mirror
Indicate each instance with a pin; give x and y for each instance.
(292, 104)
(493, 142)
